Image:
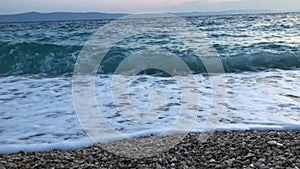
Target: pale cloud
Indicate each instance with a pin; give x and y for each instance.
(146, 2)
(142, 3)
(156, 3)
(218, 1)
(169, 2)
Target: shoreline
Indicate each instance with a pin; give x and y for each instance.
(222, 149)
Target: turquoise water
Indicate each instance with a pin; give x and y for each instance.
(244, 42)
(260, 55)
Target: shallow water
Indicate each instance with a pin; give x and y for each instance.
(40, 111)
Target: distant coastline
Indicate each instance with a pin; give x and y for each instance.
(67, 16)
(58, 16)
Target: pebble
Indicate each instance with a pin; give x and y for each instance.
(230, 162)
(272, 142)
(235, 149)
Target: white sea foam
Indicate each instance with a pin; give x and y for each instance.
(38, 113)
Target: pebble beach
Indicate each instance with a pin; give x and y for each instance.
(226, 149)
(141, 77)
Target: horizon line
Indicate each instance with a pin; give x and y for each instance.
(177, 12)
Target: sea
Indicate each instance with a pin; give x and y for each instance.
(260, 55)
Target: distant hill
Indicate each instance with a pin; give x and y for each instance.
(64, 16)
(58, 16)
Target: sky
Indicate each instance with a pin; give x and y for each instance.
(142, 6)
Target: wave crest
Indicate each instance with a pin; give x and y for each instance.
(53, 60)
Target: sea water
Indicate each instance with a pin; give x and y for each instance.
(260, 55)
